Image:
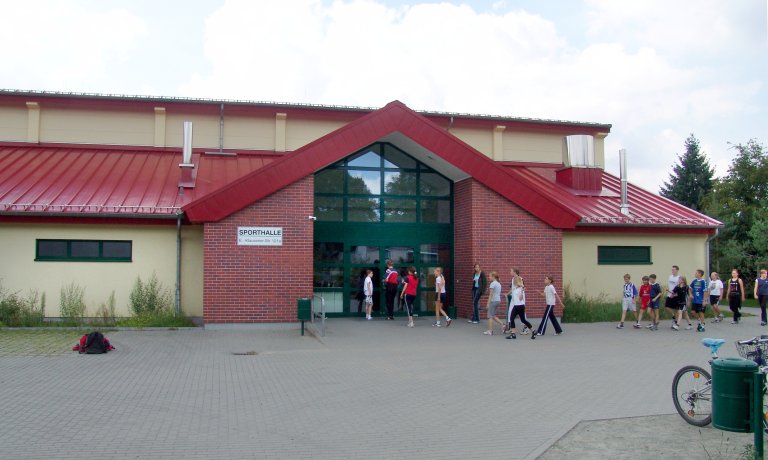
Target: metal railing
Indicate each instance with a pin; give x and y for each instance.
(320, 315)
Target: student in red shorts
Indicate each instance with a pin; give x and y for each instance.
(645, 299)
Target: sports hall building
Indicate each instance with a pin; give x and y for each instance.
(273, 202)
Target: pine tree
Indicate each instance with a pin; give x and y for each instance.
(690, 179)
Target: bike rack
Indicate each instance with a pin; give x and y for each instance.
(319, 315)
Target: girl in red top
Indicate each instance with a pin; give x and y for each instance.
(645, 300)
(409, 293)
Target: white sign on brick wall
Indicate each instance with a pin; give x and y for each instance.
(259, 236)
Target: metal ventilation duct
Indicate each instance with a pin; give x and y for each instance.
(580, 150)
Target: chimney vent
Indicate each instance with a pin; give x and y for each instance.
(623, 172)
(186, 152)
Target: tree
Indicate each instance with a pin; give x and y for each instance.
(691, 179)
(740, 201)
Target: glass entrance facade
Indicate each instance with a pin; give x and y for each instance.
(377, 204)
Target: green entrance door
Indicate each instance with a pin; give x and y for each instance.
(375, 205)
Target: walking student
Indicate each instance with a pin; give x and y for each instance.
(698, 291)
(550, 298)
(494, 299)
(736, 295)
(368, 293)
(440, 298)
(715, 294)
(681, 292)
(761, 294)
(408, 295)
(628, 301)
(479, 285)
(656, 292)
(517, 308)
(390, 285)
(670, 303)
(645, 301)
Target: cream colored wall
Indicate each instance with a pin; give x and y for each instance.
(301, 132)
(585, 276)
(59, 125)
(154, 250)
(13, 123)
(96, 127)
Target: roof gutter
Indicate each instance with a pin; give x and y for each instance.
(109, 215)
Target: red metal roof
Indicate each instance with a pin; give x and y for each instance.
(51, 180)
(395, 117)
(646, 208)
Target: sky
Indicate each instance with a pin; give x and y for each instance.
(656, 70)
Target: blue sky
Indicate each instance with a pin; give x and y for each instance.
(656, 70)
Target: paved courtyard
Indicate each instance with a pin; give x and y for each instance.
(367, 390)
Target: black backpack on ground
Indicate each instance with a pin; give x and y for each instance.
(95, 343)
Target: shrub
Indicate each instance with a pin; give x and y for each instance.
(106, 311)
(72, 304)
(150, 297)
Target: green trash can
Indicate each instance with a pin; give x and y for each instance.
(303, 311)
(731, 394)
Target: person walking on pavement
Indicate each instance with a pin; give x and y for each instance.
(550, 298)
(736, 295)
(479, 285)
(761, 294)
(391, 285)
(440, 298)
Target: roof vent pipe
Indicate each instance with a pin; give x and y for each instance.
(186, 151)
(623, 171)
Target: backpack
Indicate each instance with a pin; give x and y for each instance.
(95, 343)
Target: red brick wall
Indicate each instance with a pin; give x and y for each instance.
(260, 284)
(499, 235)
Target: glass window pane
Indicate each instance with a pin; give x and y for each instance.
(329, 252)
(394, 158)
(48, 248)
(328, 277)
(436, 254)
(368, 159)
(363, 210)
(364, 255)
(433, 184)
(364, 182)
(400, 254)
(436, 211)
(329, 181)
(85, 249)
(116, 249)
(333, 301)
(400, 183)
(329, 208)
(396, 210)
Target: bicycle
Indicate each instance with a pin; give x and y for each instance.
(692, 385)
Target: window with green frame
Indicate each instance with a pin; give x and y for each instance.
(84, 250)
(381, 183)
(624, 255)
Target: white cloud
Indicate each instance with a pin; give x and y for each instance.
(58, 45)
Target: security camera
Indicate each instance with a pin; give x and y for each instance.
(311, 217)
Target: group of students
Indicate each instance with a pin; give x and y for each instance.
(407, 287)
(680, 296)
(516, 304)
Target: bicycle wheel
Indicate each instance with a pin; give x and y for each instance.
(692, 394)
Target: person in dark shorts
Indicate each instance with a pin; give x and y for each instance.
(735, 295)
(761, 294)
(656, 292)
(698, 292)
(391, 285)
(409, 293)
(715, 293)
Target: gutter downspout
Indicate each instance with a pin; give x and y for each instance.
(709, 262)
(178, 264)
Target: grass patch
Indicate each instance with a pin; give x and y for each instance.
(582, 309)
(155, 319)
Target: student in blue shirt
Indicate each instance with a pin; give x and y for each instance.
(698, 292)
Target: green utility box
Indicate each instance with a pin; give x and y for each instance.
(732, 381)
